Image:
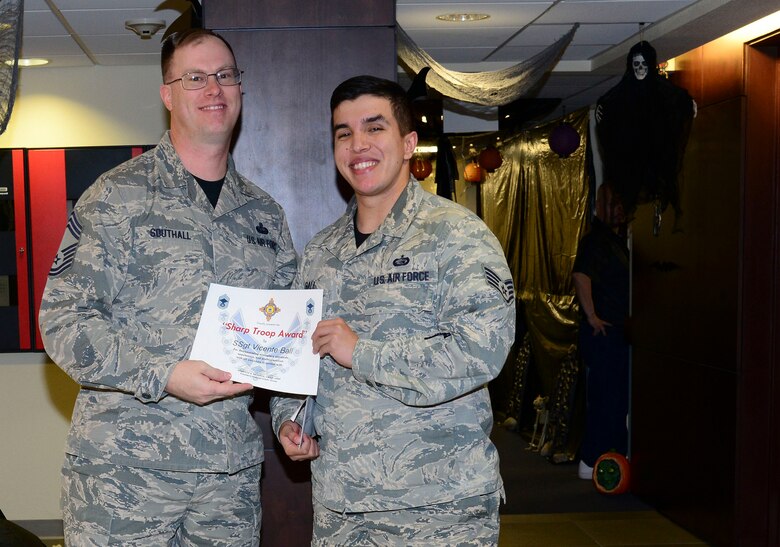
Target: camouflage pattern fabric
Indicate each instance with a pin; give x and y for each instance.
(123, 301)
(430, 297)
(110, 504)
(465, 522)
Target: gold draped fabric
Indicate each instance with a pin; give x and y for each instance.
(537, 205)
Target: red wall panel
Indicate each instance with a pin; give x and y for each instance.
(48, 216)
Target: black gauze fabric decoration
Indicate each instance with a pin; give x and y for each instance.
(446, 168)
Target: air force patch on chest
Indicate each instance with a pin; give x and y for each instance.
(506, 286)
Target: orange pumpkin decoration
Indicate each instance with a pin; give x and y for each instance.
(421, 167)
(473, 172)
(612, 473)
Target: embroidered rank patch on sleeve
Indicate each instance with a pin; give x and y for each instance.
(506, 287)
(64, 258)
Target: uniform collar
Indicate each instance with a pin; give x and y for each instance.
(235, 193)
(402, 213)
(341, 241)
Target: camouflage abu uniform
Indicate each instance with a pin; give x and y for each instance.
(429, 295)
(123, 301)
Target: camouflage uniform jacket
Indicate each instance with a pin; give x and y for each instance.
(430, 296)
(123, 301)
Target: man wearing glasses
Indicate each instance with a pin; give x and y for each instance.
(162, 450)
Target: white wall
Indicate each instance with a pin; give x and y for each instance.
(56, 108)
(36, 400)
(86, 106)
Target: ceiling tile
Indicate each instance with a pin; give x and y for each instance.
(444, 37)
(44, 46)
(129, 59)
(103, 5)
(41, 23)
(587, 34)
(125, 44)
(613, 11)
(510, 15)
(112, 22)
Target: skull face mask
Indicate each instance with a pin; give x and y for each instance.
(640, 66)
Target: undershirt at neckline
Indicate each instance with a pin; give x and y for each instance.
(360, 237)
(212, 189)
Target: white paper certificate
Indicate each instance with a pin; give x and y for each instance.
(262, 337)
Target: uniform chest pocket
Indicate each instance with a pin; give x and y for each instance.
(399, 298)
(400, 307)
(248, 265)
(259, 257)
(165, 277)
(167, 248)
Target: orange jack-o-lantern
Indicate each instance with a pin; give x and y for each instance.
(612, 473)
(473, 172)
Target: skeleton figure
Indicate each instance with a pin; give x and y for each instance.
(640, 66)
(542, 417)
(643, 125)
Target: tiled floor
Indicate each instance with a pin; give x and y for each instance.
(635, 528)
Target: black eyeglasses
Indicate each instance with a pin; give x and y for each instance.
(198, 80)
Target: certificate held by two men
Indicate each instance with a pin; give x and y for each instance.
(262, 337)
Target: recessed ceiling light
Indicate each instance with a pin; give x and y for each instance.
(462, 17)
(29, 62)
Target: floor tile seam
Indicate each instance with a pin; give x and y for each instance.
(569, 517)
(587, 535)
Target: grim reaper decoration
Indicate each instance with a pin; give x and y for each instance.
(643, 125)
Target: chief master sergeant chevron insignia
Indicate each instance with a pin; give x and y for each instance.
(67, 250)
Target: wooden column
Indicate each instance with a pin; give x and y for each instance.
(293, 54)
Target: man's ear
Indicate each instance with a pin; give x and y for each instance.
(167, 96)
(410, 143)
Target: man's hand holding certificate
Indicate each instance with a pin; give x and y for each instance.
(262, 337)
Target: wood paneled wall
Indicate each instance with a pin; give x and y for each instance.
(684, 335)
(758, 433)
(705, 439)
(294, 53)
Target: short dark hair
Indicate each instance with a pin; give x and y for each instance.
(356, 87)
(180, 39)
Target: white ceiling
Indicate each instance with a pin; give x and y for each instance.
(74, 33)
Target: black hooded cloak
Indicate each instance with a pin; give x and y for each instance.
(643, 132)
